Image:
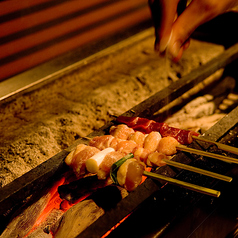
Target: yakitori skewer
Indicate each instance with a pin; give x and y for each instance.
(197, 188)
(207, 154)
(120, 175)
(221, 146)
(198, 170)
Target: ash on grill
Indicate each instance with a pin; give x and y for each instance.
(58, 223)
(206, 109)
(33, 130)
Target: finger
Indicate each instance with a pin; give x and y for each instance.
(181, 50)
(186, 44)
(163, 13)
(197, 13)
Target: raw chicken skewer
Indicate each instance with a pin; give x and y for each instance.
(105, 151)
(182, 136)
(132, 170)
(169, 146)
(166, 145)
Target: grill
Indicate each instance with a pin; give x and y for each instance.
(156, 207)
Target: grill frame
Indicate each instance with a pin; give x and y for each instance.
(153, 190)
(14, 194)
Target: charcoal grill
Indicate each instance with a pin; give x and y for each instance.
(154, 207)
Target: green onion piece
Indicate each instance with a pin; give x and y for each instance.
(116, 166)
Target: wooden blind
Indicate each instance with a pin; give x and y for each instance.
(35, 31)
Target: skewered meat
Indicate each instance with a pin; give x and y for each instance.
(127, 172)
(147, 141)
(101, 142)
(109, 160)
(94, 160)
(156, 159)
(141, 151)
(104, 151)
(126, 146)
(147, 126)
(105, 141)
(129, 175)
(152, 141)
(182, 136)
(167, 145)
(78, 162)
(100, 162)
(138, 137)
(121, 131)
(142, 124)
(141, 154)
(69, 158)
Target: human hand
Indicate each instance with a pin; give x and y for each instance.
(175, 21)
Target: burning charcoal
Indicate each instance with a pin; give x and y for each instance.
(78, 218)
(44, 229)
(107, 197)
(22, 224)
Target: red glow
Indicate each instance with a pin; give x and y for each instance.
(114, 227)
(54, 203)
(148, 169)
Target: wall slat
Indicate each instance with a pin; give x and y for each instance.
(29, 38)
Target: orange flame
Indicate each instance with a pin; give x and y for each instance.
(54, 203)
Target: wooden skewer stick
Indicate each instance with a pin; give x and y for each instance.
(197, 188)
(207, 154)
(198, 170)
(221, 146)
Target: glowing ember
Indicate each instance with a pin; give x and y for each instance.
(114, 227)
(54, 203)
(57, 203)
